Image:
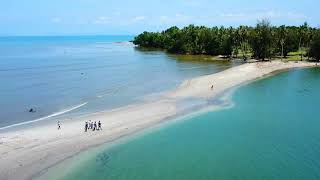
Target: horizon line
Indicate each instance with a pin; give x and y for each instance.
(68, 35)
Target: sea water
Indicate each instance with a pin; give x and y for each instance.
(271, 132)
(72, 75)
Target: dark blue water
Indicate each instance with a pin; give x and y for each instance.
(272, 132)
(82, 74)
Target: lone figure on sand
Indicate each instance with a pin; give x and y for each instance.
(212, 87)
(59, 125)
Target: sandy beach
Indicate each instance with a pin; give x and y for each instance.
(26, 153)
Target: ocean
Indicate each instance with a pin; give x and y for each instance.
(66, 76)
(270, 132)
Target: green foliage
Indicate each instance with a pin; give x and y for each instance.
(241, 41)
(286, 39)
(149, 39)
(314, 51)
(261, 42)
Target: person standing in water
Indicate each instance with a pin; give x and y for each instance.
(59, 125)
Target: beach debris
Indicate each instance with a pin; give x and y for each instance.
(304, 90)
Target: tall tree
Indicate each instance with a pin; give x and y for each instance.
(226, 41)
(314, 51)
(261, 40)
(281, 35)
(243, 33)
(302, 37)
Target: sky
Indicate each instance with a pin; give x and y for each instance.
(130, 17)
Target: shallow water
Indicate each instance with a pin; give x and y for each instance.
(74, 75)
(272, 132)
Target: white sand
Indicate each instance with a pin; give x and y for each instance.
(25, 153)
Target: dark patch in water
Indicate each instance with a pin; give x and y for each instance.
(103, 160)
(303, 92)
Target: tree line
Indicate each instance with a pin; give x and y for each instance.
(262, 42)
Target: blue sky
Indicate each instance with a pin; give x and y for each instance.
(119, 17)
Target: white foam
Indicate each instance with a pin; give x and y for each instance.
(46, 117)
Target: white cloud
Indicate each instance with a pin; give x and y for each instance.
(269, 14)
(296, 15)
(116, 13)
(192, 3)
(102, 20)
(56, 20)
(177, 19)
(138, 18)
(232, 15)
(225, 18)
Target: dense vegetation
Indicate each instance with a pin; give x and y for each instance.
(261, 42)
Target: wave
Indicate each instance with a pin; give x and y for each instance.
(46, 117)
(197, 67)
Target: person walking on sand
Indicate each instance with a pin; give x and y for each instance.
(90, 124)
(59, 125)
(86, 127)
(212, 87)
(99, 126)
(95, 126)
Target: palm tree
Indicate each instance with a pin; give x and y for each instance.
(262, 38)
(243, 32)
(314, 50)
(282, 34)
(302, 34)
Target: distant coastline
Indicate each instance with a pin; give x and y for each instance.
(262, 42)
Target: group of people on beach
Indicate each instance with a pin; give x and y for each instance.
(92, 125)
(88, 125)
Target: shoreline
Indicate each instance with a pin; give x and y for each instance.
(127, 137)
(42, 118)
(27, 153)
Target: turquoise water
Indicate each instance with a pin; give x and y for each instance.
(272, 132)
(72, 75)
